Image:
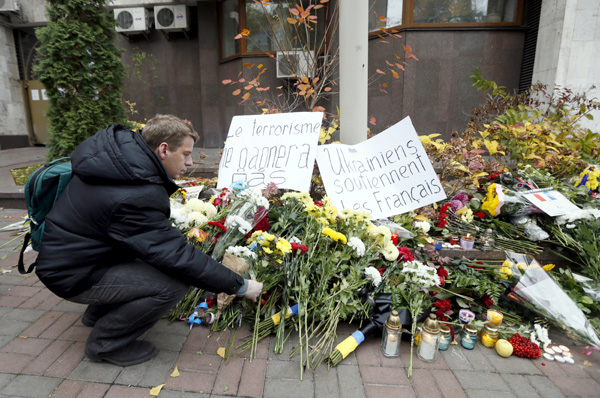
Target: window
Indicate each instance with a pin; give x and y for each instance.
(405, 13)
(269, 27)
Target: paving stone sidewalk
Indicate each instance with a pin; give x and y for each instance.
(42, 354)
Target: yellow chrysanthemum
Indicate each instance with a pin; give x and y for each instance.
(548, 267)
(505, 272)
(284, 246)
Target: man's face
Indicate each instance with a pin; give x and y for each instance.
(177, 161)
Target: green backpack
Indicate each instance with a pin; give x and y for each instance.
(42, 190)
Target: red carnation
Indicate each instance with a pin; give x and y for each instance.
(441, 224)
(443, 305)
(440, 315)
(480, 214)
(217, 201)
(296, 246)
(381, 270)
(317, 203)
(487, 300)
(218, 224)
(405, 254)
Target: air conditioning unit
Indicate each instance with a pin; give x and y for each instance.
(9, 6)
(132, 20)
(172, 17)
(302, 62)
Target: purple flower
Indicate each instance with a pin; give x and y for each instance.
(456, 205)
(463, 197)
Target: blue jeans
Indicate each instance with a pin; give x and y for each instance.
(128, 300)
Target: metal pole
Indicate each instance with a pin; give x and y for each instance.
(354, 61)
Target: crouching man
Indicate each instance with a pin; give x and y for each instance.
(108, 241)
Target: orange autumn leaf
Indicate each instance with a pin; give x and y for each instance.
(380, 72)
(226, 81)
(246, 96)
(292, 21)
(372, 121)
(260, 66)
(399, 66)
(395, 74)
(407, 48)
(237, 92)
(327, 89)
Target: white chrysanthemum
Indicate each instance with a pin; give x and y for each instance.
(357, 245)
(389, 251)
(295, 240)
(422, 226)
(373, 275)
(196, 218)
(238, 222)
(241, 251)
(421, 274)
(255, 196)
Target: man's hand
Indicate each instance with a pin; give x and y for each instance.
(254, 290)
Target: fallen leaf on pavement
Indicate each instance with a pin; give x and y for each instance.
(156, 390)
(221, 352)
(175, 372)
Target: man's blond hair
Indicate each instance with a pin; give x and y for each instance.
(169, 129)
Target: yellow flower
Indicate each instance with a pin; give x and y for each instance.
(491, 201)
(522, 266)
(548, 267)
(267, 250)
(505, 272)
(508, 263)
(284, 246)
(334, 235)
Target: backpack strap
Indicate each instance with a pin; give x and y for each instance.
(21, 264)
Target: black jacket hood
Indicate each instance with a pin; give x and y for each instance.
(117, 155)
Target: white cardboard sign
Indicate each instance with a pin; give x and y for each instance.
(278, 148)
(386, 175)
(550, 201)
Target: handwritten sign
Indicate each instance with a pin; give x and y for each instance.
(386, 175)
(550, 201)
(278, 148)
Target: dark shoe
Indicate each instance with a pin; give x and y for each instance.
(136, 352)
(86, 320)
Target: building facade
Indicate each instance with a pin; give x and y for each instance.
(182, 70)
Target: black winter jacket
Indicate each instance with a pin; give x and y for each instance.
(115, 209)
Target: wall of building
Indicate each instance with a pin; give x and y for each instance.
(13, 127)
(436, 91)
(568, 48)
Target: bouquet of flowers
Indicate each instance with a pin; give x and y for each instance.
(247, 210)
(533, 288)
(501, 201)
(409, 286)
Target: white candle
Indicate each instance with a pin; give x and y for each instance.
(427, 347)
(391, 344)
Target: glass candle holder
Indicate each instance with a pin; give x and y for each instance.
(494, 317)
(467, 241)
(453, 240)
(489, 335)
(391, 336)
(445, 337)
(465, 316)
(430, 333)
(468, 337)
